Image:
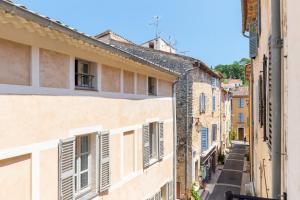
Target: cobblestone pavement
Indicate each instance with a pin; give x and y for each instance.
(231, 175)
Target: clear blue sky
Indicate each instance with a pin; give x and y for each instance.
(207, 29)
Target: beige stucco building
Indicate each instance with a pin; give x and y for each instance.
(225, 119)
(79, 118)
(275, 95)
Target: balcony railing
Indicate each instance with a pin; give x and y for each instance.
(85, 81)
(230, 196)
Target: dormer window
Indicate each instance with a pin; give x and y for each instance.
(152, 86)
(85, 75)
(151, 45)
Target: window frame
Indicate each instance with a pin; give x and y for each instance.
(77, 174)
(241, 117)
(91, 84)
(152, 80)
(214, 103)
(152, 158)
(241, 102)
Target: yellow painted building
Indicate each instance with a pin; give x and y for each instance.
(240, 113)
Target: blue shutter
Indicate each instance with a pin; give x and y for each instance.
(201, 103)
(242, 102)
(214, 104)
(204, 139)
(242, 117)
(204, 103)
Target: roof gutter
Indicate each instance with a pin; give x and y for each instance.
(45, 22)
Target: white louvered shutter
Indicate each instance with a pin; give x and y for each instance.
(146, 145)
(170, 190)
(66, 169)
(104, 162)
(158, 196)
(253, 39)
(161, 139)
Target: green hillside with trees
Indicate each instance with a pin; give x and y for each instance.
(236, 70)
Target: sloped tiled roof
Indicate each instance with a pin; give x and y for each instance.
(175, 62)
(240, 91)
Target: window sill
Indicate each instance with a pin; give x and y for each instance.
(85, 88)
(87, 195)
(153, 161)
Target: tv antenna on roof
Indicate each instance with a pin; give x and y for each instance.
(156, 23)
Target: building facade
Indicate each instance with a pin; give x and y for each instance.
(80, 119)
(240, 113)
(198, 108)
(274, 44)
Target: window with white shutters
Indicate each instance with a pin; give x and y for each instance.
(104, 162)
(153, 142)
(66, 169)
(202, 103)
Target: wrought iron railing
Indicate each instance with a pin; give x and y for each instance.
(84, 81)
(230, 196)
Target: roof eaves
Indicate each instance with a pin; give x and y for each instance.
(22, 11)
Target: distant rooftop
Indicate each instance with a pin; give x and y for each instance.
(240, 91)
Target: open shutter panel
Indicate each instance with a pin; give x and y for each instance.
(253, 39)
(265, 65)
(66, 169)
(204, 97)
(158, 196)
(161, 140)
(270, 102)
(146, 143)
(170, 190)
(201, 103)
(104, 162)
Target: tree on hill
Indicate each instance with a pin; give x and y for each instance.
(236, 70)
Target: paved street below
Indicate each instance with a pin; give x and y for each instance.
(232, 173)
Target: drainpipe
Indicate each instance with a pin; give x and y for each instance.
(174, 139)
(276, 97)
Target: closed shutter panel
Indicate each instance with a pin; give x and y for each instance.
(104, 162)
(146, 143)
(66, 169)
(161, 140)
(170, 190)
(204, 139)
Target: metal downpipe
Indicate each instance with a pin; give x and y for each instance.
(276, 97)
